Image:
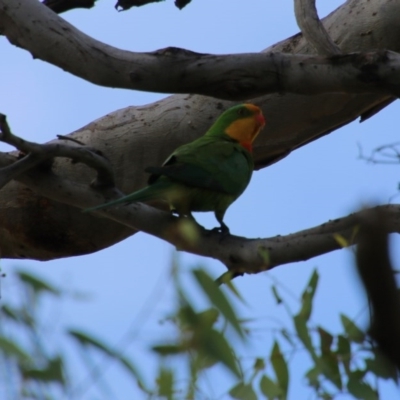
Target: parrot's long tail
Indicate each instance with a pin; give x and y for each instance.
(147, 193)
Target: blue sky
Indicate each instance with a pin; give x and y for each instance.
(321, 181)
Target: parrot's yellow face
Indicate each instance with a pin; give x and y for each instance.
(248, 125)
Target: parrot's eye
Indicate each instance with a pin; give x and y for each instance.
(241, 111)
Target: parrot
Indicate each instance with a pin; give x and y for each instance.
(207, 174)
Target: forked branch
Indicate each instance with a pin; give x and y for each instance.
(230, 77)
(312, 28)
(33, 154)
(240, 255)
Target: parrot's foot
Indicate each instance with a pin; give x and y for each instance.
(223, 229)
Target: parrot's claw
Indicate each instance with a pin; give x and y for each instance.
(223, 229)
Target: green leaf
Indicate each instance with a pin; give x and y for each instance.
(188, 230)
(53, 372)
(353, 332)
(264, 254)
(10, 312)
(358, 374)
(308, 295)
(286, 335)
(189, 320)
(326, 340)
(202, 361)
(259, 364)
(381, 366)
(31, 394)
(280, 367)
(269, 388)
(86, 340)
(312, 375)
(208, 318)
(19, 315)
(328, 362)
(278, 298)
(342, 242)
(214, 344)
(226, 279)
(168, 349)
(325, 395)
(344, 352)
(329, 366)
(38, 284)
(218, 299)
(361, 390)
(165, 382)
(243, 391)
(188, 317)
(10, 348)
(304, 335)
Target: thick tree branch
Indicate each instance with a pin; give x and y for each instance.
(230, 77)
(376, 272)
(312, 28)
(41, 152)
(240, 255)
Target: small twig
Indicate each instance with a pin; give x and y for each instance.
(63, 137)
(376, 272)
(312, 28)
(41, 152)
(388, 151)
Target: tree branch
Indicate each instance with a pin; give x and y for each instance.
(230, 77)
(386, 154)
(312, 28)
(238, 254)
(41, 152)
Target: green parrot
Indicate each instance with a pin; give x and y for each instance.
(208, 174)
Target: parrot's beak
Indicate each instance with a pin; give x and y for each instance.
(259, 124)
(260, 120)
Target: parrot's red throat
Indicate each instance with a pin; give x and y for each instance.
(261, 120)
(247, 145)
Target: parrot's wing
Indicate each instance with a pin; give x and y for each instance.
(189, 174)
(220, 165)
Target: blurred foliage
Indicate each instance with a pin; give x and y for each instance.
(34, 365)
